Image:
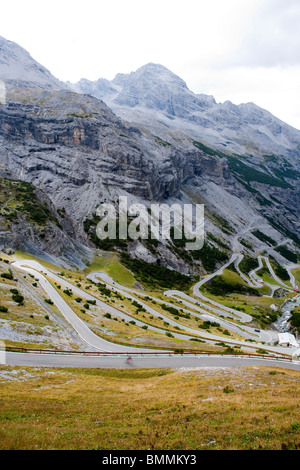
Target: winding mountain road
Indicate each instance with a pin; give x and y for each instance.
(94, 341)
(192, 306)
(211, 313)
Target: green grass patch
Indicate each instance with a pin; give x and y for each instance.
(296, 274)
(228, 283)
(110, 264)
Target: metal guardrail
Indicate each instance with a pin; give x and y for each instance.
(144, 353)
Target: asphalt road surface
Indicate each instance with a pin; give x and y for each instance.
(151, 361)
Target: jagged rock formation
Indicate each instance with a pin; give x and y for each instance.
(159, 99)
(62, 140)
(30, 222)
(77, 151)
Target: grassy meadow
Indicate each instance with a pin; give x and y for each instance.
(238, 408)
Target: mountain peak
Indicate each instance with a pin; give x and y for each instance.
(158, 99)
(17, 64)
(156, 68)
(155, 73)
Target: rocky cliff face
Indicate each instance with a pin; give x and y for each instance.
(30, 222)
(63, 138)
(79, 153)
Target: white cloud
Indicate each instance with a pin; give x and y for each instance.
(99, 38)
(264, 64)
(271, 37)
(275, 88)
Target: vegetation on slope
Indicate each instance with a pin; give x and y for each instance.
(230, 290)
(244, 171)
(248, 264)
(156, 276)
(264, 238)
(279, 270)
(287, 254)
(221, 286)
(20, 197)
(295, 319)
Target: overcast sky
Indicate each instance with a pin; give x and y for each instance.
(237, 50)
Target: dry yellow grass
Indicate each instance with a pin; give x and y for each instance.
(212, 408)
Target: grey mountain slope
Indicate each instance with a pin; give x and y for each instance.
(30, 222)
(74, 148)
(78, 152)
(16, 64)
(159, 100)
